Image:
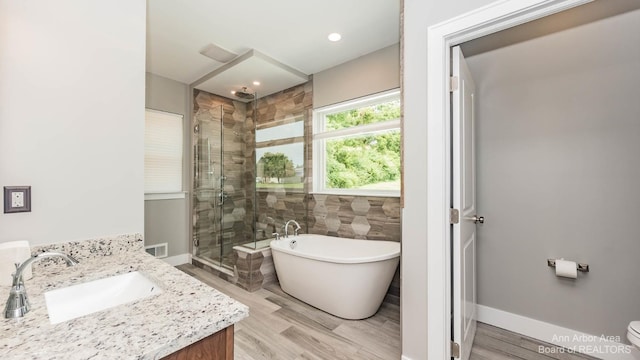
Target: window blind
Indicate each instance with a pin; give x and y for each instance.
(162, 152)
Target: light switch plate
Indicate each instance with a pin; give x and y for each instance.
(17, 199)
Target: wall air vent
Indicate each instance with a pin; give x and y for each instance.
(217, 53)
(158, 250)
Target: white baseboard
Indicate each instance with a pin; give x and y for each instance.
(178, 259)
(595, 345)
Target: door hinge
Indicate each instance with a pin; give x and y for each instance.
(454, 216)
(453, 84)
(455, 350)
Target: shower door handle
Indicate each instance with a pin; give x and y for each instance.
(222, 196)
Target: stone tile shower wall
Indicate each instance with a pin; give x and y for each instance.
(276, 206)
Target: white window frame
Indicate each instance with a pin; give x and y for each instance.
(292, 140)
(167, 194)
(320, 135)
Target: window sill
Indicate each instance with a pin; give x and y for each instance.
(357, 193)
(287, 190)
(165, 196)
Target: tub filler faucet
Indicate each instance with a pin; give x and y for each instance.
(18, 302)
(295, 230)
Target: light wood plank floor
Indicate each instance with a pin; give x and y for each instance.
(282, 327)
(492, 343)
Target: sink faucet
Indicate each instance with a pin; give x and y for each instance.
(18, 302)
(295, 230)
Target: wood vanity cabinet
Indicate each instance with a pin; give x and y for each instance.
(218, 346)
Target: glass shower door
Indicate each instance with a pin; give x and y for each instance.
(208, 198)
(224, 179)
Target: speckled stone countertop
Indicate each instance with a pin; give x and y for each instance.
(186, 311)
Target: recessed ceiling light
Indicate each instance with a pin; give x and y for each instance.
(334, 37)
(233, 92)
(256, 83)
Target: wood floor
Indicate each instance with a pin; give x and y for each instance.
(492, 343)
(284, 328)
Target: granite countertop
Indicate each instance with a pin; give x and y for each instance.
(184, 312)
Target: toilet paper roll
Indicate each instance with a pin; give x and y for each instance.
(10, 253)
(566, 268)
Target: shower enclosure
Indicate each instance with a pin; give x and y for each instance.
(222, 184)
(249, 159)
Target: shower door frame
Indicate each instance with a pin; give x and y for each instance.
(217, 187)
(222, 196)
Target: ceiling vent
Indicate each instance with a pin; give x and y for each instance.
(217, 53)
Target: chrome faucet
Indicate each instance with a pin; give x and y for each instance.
(295, 230)
(18, 302)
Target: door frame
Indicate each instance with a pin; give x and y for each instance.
(492, 18)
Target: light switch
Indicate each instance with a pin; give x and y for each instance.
(17, 199)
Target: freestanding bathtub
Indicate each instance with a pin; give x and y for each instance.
(344, 277)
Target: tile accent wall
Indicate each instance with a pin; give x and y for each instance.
(355, 217)
(277, 206)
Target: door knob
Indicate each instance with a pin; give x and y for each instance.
(476, 219)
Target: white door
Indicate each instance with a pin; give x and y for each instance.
(464, 200)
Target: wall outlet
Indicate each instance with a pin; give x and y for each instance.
(17, 199)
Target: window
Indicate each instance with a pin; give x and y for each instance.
(356, 146)
(162, 153)
(280, 155)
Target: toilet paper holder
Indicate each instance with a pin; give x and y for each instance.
(580, 267)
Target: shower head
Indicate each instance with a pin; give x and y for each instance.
(245, 93)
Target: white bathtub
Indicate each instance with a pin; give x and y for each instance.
(344, 277)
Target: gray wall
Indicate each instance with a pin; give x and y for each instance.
(366, 75)
(417, 16)
(558, 143)
(168, 220)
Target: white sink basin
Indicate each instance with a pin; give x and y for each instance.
(78, 300)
